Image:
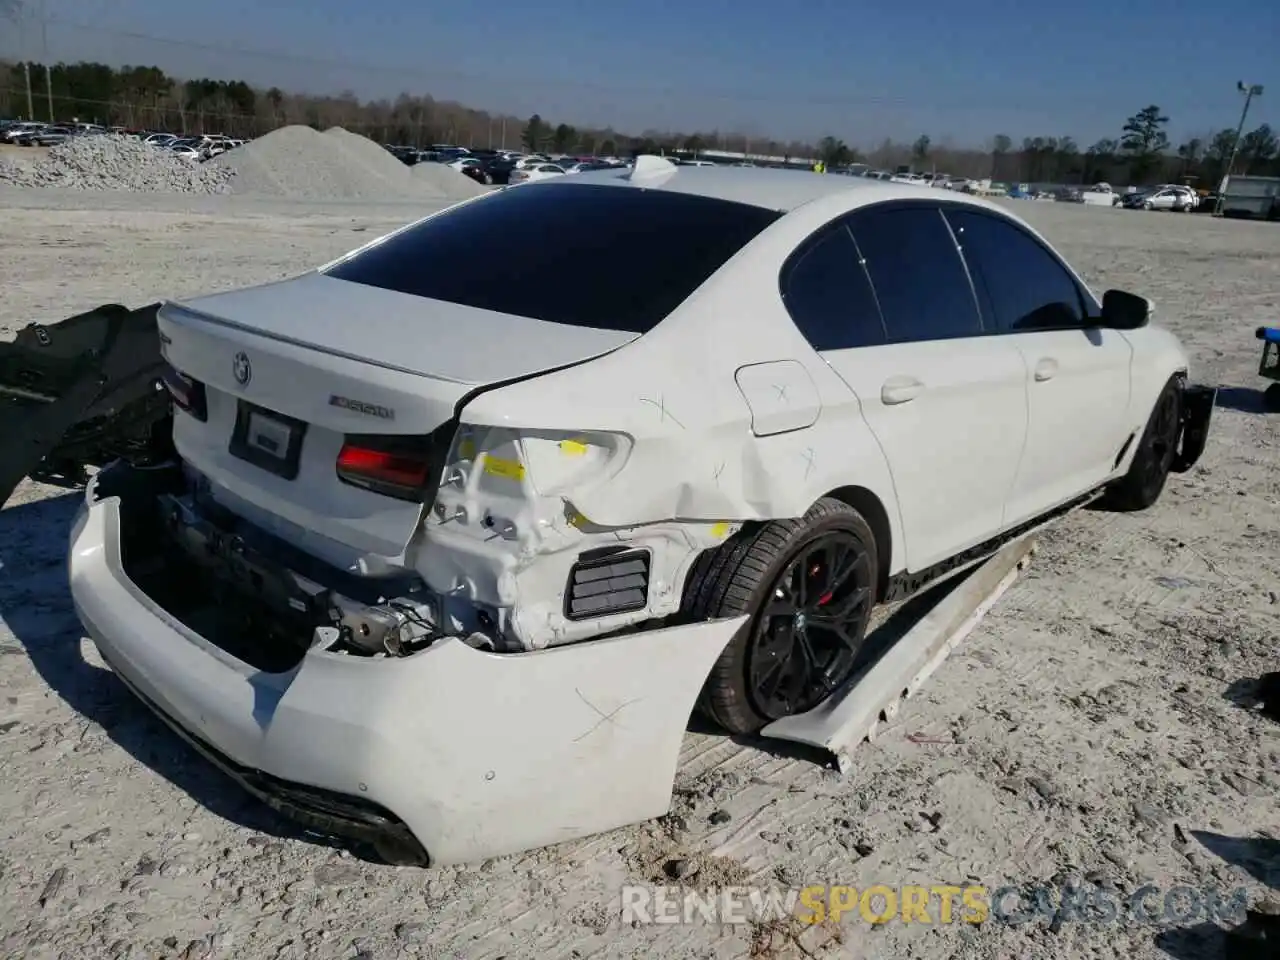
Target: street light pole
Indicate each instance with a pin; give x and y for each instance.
(44, 55)
(1250, 91)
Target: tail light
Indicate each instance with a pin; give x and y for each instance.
(395, 466)
(187, 393)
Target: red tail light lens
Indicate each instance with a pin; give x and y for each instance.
(395, 466)
(187, 392)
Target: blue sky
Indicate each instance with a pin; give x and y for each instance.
(958, 71)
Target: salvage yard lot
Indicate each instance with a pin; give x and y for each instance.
(1086, 728)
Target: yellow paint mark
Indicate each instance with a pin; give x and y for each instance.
(573, 448)
(498, 467)
(576, 519)
(720, 530)
(467, 449)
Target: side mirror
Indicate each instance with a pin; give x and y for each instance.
(1125, 311)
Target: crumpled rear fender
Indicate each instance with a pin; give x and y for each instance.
(692, 453)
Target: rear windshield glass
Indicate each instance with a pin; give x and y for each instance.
(615, 258)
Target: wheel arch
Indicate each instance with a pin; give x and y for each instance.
(877, 517)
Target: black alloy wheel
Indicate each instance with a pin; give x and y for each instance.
(1144, 481)
(1162, 440)
(807, 636)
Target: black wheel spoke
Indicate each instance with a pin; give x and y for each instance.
(780, 608)
(842, 608)
(808, 635)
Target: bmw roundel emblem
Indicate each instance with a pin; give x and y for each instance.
(242, 369)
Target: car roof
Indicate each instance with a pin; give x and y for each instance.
(782, 190)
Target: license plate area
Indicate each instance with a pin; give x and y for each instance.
(268, 440)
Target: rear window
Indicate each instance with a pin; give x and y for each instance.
(614, 258)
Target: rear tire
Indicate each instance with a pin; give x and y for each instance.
(809, 586)
(1142, 485)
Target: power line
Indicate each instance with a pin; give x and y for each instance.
(683, 93)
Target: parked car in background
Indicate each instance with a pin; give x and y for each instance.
(463, 163)
(541, 171)
(19, 133)
(586, 166)
(49, 136)
(1180, 199)
(494, 171)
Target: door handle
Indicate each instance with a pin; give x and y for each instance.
(1046, 369)
(900, 390)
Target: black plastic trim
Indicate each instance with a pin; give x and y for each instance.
(603, 557)
(324, 811)
(906, 584)
(1197, 411)
(285, 467)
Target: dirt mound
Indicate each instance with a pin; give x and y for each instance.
(449, 182)
(299, 163)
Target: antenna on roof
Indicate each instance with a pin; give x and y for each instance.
(650, 169)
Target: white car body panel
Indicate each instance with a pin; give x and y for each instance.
(570, 742)
(951, 418)
(1078, 395)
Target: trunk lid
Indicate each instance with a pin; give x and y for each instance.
(290, 369)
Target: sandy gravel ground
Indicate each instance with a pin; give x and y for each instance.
(1090, 727)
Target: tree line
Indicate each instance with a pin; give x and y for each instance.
(146, 97)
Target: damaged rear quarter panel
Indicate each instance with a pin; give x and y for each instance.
(673, 393)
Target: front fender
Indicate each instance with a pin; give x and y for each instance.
(1157, 355)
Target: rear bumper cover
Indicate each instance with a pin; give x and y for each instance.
(466, 753)
(1197, 410)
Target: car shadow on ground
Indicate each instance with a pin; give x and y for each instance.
(1243, 399)
(1258, 856)
(35, 603)
(1204, 941)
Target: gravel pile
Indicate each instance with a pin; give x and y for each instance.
(299, 163)
(110, 162)
(451, 184)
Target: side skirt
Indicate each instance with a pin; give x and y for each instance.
(905, 585)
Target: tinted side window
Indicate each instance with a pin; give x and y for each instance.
(1027, 288)
(622, 258)
(827, 293)
(918, 277)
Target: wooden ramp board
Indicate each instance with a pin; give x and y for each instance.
(872, 697)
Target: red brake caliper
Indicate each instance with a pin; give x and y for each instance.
(826, 597)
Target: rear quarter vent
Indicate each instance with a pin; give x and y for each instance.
(607, 581)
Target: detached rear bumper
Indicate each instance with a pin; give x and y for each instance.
(1197, 410)
(463, 753)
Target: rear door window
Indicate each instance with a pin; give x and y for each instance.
(919, 279)
(623, 259)
(1025, 285)
(828, 295)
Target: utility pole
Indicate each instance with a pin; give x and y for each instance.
(1250, 91)
(26, 75)
(44, 55)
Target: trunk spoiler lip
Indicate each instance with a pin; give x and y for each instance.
(164, 311)
(170, 307)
